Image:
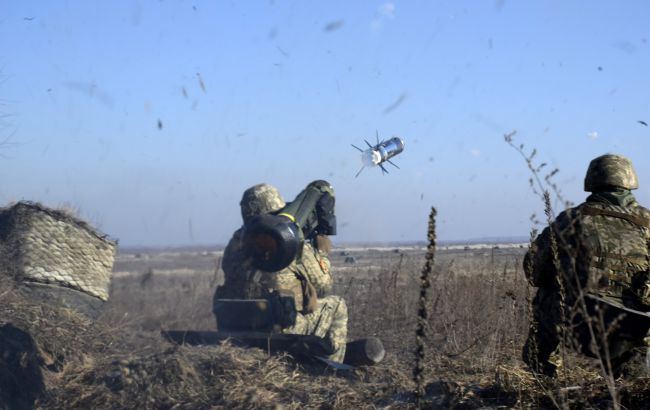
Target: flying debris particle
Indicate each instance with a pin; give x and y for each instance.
(201, 83)
(626, 47)
(49, 90)
(284, 53)
(334, 25)
(490, 44)
(28, 18)
(273, 33)
(396, 104)
(600, 68)
(421, 197)
(194, 7)
(91, 90)
(160, 125)
(593, 135)
(430, 159)
(184, 91)
(643, 123)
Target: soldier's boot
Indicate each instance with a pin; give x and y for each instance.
(541, 356)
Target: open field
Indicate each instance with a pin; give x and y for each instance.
(478, 307)
(477, 313)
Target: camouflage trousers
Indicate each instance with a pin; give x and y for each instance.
(541, 350)
(625, 335)
(329, 320)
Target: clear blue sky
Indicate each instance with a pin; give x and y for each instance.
(289, 85)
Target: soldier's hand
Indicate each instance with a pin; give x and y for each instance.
(323, 244)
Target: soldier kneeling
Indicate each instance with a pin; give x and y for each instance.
(299, 291)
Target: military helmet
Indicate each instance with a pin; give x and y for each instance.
(608, 171)
(260, 199)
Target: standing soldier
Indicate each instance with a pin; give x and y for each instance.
(307, 280)
(596, 288)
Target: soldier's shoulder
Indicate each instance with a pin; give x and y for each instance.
(641, 210)
(568, 215)
(237, 235)
(235, 243)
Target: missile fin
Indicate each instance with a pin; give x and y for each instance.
(392, 163)
(369, 144)
(357, 147)
(383, 170)
(359, 171)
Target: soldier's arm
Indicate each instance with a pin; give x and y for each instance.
(317, 269)
(232, 264)
(538, 262)
(232, 254)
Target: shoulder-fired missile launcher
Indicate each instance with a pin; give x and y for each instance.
(273, 241)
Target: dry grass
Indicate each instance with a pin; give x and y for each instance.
(477, 309)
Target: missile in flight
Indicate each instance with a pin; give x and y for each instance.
(382, 151)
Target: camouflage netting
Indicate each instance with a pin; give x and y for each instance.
(42, 245)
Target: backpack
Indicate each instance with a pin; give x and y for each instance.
(611, 254)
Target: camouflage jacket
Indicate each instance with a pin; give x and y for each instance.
(602, 249)
(243, 281)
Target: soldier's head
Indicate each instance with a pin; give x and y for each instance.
(609, 172)
(260, 199)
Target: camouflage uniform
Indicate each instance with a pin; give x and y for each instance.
(602, 249)
(326, 316)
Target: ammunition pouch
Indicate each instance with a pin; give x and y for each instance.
(271, 314)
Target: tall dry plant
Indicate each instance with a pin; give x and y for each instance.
(422, 319)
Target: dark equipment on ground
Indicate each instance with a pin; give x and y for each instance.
(363, 352)
(265, 319)
(263, 315)
(275, 240)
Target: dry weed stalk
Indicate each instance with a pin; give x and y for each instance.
(421, 332)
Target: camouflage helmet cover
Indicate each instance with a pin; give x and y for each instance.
(260, 199)
(610, 170)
